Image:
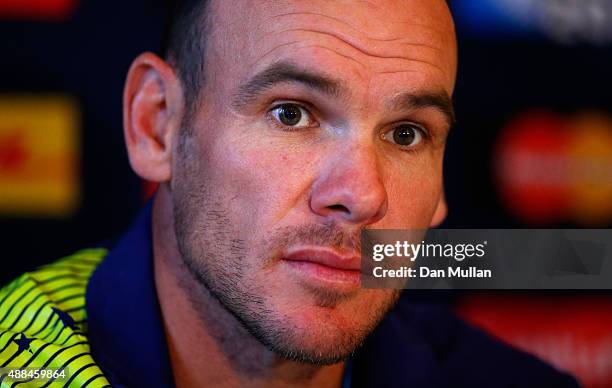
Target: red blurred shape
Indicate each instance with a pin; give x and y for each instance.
(37, 9)
(13, 153)
(570, 332)
(531, 167)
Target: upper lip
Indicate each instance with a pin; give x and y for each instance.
(327, 257)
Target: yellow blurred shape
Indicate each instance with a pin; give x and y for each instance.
(39, 155)
(591, 154)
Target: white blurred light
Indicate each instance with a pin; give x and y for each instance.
(565, 21)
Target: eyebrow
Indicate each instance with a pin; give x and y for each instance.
(282, 72)
(437, 100)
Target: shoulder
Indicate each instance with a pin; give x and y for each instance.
(43, 321)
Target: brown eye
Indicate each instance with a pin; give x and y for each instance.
(405, 135)
(289, 114)
(292, 115)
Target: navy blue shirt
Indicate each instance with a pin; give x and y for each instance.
(417, 344)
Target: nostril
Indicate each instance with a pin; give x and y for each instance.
(340, 208)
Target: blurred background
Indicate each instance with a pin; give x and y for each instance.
(532, 146)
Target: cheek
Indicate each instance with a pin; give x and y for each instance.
(413, 194)
(263, 182)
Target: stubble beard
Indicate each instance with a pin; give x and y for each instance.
(216, 259)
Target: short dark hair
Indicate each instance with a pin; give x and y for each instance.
(184, 44)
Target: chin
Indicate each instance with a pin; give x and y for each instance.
(306, 331)
(322, 343)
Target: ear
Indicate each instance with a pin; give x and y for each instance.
(441, 211)
(152, 110)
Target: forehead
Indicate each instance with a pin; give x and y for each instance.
(364, 39)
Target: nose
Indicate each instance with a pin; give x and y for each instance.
(350, 188)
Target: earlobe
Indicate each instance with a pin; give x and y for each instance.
(440, 213)
(152, 105)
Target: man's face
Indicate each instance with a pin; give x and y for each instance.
(317, 119)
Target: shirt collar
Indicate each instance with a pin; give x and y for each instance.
(125, 326)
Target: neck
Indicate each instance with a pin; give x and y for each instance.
(208, 346)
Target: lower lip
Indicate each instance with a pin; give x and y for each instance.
(324, 275)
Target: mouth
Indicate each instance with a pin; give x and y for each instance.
(325, 268)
